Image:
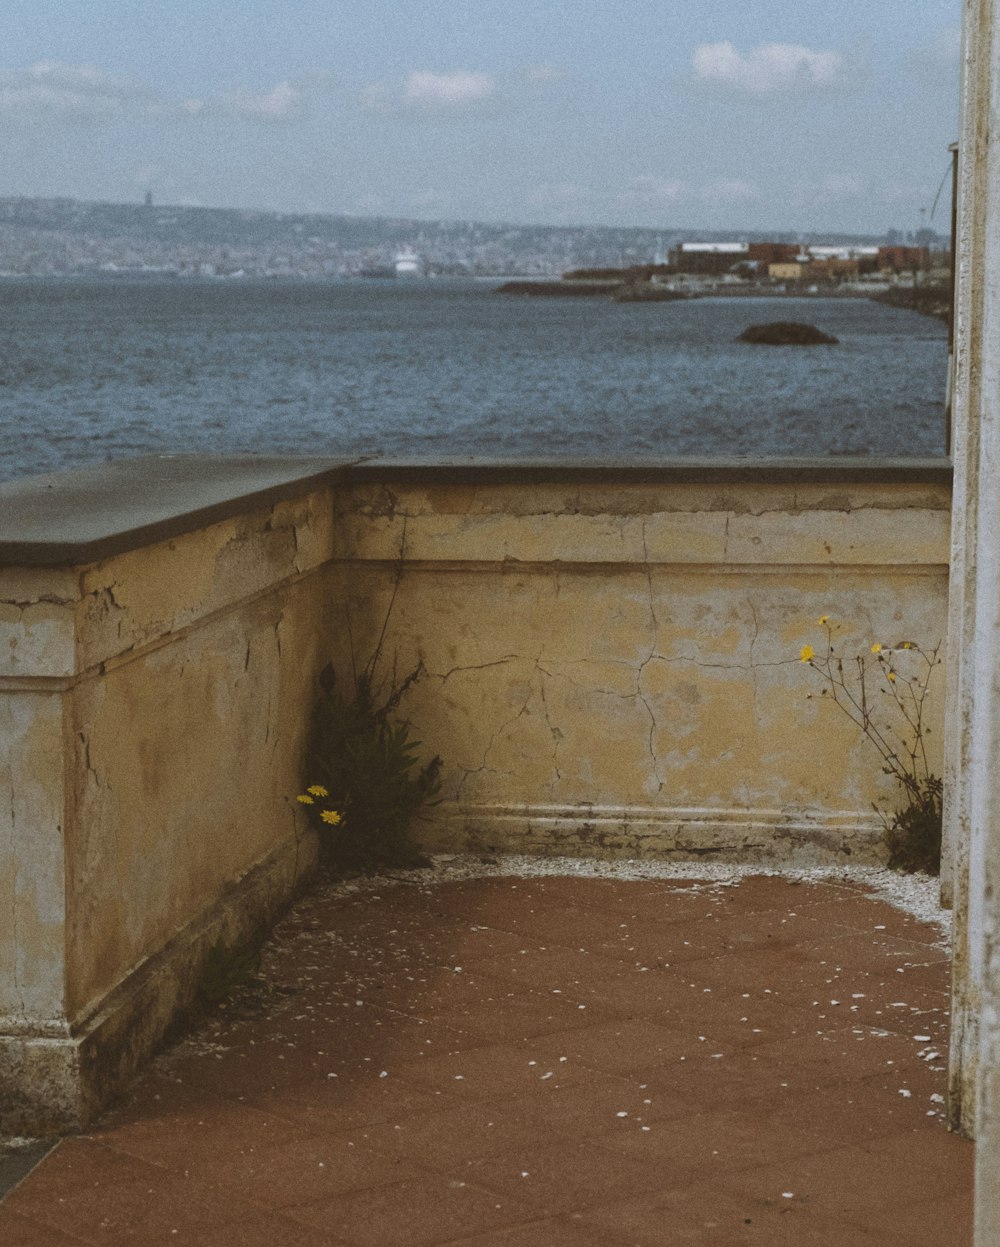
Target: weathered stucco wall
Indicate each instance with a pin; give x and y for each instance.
(614, 668)
(611, 666)
(153, 706)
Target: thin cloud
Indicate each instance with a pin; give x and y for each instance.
(423, 91)
(281, 103)
(56, 92)
(73, 92)
(766, 69)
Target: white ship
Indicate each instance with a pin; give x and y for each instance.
(408, 264)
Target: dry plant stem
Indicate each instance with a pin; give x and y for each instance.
(376, 653)
(362, 760)
(858, 708)
(913, 832)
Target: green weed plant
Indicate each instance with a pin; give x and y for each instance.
(367, 782)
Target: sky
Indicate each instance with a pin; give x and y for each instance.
(756, 114)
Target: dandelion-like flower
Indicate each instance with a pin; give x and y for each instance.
(891, 677)
(317, 790)
(305, 799)
(332, 817)
(807, 653)
(823, 620)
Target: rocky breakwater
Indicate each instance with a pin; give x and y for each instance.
(617, 291)
(931, 300)
(560, 289)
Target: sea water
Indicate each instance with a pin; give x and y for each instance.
(92, 370)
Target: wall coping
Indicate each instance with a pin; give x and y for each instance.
(71, 518)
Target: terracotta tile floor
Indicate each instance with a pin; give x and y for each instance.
(546, 1062)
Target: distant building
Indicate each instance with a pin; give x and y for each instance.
(773, 252)
(790, 271)
(712, 258)
(835, 270)
(900, 259)
(842, 253)
(715, 248)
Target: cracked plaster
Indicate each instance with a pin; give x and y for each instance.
(598, 681)
(37, 635)
(149, 765)
(136, 598)
(31, 826)
(673, 675)
(861, 531)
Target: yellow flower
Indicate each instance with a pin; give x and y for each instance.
(877, 647)
(807, 653)
(305, 800)
(330, 816)
(891, 677)
(907, 645)
(317, 790)
(823, 620)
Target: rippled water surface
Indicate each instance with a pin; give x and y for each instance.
(91, 370)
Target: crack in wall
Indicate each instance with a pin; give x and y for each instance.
(478, 770)
(102, 603)
(554, 732)
(388, 505)
(103, 790)
(594, 688)
(294, 528)
(43, 599)
(15, 930)
(753, 667)
(654, 642)
(444, 676)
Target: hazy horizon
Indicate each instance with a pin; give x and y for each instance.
(666, 228)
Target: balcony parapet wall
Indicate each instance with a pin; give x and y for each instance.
(610, 658)
(159, 626)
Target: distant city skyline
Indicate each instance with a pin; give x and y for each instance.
(758, 116)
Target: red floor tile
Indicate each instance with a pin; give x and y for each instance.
(568, 1062)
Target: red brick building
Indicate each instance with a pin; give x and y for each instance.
(901, 259)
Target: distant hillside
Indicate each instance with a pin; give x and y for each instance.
(46, 236)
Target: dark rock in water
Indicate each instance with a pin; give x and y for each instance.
(786, 333)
